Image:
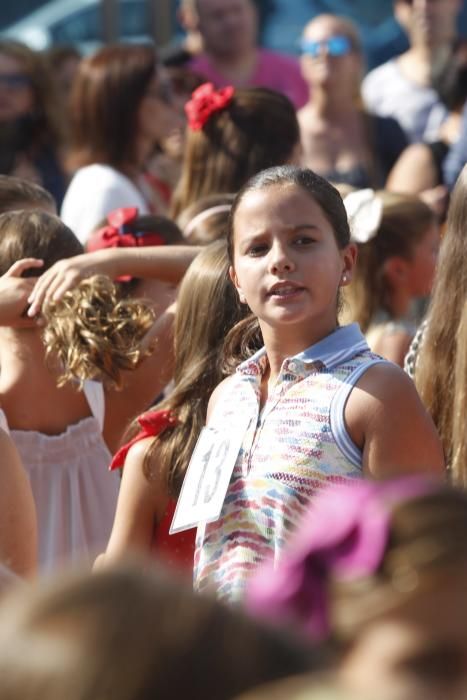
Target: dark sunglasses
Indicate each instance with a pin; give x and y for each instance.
(15, 80)
(338, 45)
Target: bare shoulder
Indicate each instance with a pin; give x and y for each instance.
(218, 394)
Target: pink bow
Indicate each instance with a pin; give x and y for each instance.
(206, 100)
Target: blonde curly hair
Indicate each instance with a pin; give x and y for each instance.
(95, 334)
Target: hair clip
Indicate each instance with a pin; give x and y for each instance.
(203, 215)
(205, 101)
(364, 210)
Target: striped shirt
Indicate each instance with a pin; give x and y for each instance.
(292, 446)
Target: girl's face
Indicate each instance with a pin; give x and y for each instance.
(422, 264)
(287, 265)
(157, 116)
(16, 92)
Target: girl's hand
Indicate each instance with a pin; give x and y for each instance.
(14, 294)
(65, 275)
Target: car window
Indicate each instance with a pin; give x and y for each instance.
(133, 18)
(82, 25)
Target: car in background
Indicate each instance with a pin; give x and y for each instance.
(63, 22)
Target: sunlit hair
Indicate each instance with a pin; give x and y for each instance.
(16, 193)
(246, 333)
(207, 307)
(441, 370)
(49, 129)
(206, 220)
(405, 221)
(258, 129)
(107, 92)
(94, 334)
(131, 633)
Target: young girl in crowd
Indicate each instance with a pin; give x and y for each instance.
(375, 569)
(233, 134)
(440, 366)
(314, 405)
(398, 240)
(155, 460)
(64, 435)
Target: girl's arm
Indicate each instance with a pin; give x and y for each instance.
(141, 386)
(18, 528)
(387, 420)
(168, 263)
(141, 504)
(14, 293)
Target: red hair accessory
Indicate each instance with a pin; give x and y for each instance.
(206, 100)
(119, 234)
(152, 423)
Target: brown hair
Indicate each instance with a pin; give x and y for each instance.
(441, 370)
(48, 124)
(405, 221)
(129, 634)
(16, 193)
(207, 307)
(256, 130)
(106, 95)
(203, 221)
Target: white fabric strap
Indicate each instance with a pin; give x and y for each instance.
(94, 393)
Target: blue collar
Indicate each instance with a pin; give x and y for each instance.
(341, 345)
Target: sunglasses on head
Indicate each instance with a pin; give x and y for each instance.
(338, 45)
(15, 80)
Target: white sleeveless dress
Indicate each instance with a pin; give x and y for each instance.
(74, 492)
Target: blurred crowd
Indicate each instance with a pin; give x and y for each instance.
(233, 353)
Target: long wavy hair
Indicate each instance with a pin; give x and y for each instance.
(441, 370)
(207, 307)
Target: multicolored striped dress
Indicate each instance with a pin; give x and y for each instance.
(293, 445)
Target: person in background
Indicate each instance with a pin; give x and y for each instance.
(402, 87)
(341, 140)
(230, 54)
(16, 193)
(398, 239)
(379, 569)
(206, 220)
(233, 134)
(457, 156)
(63, 60)
(32, 129)
(121, 106)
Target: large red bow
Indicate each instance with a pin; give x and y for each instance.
(206, 100)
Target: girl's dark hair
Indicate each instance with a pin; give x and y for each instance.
(107, 92)
(314, 185)
(16, 193)
(257, 129)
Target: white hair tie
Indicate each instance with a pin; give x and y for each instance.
(364, 210)
(202, 216)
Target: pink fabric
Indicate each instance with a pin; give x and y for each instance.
(273, 70)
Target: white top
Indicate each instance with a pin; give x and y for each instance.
(388, 92)
(74, 492)
(94, 191)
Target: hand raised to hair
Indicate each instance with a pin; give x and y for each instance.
(14, 294)
(65, 275)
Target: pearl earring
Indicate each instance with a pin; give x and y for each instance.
(344, 277)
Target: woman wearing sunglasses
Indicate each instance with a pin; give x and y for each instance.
(340, 140)
(121, 107)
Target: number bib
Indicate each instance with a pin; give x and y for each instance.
(207, 477)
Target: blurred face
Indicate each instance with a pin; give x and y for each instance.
(329, 59)
(287, 265)
(429, 22)
(228, 27)
(422, 264)
(418, 652)
(157, 115)
(16, 92)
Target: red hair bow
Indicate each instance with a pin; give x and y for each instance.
(206, 100)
